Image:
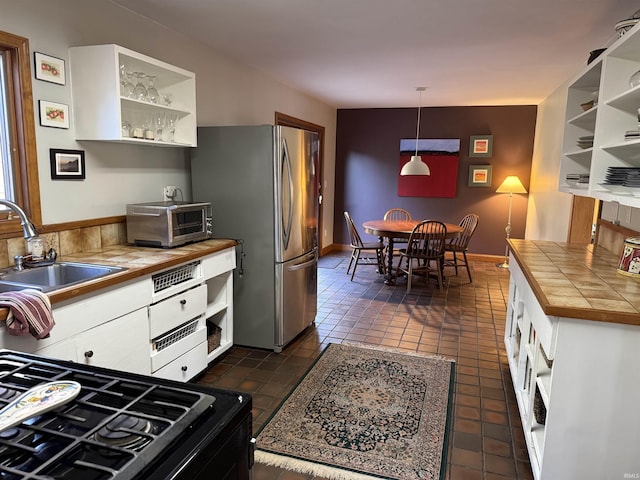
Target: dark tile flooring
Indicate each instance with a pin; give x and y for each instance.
(465, 322)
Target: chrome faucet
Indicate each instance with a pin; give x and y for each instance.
(28, 229)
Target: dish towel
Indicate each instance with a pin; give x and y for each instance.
(29, 313)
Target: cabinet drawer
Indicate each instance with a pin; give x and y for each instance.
(174, 311)
(219, 262)
(186, 366)
(177, 342)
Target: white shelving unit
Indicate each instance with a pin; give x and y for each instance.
(615, 113)
(218, 272)
(100, 108)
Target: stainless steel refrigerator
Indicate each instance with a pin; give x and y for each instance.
(263, 185)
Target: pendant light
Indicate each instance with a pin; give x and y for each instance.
(416, 166)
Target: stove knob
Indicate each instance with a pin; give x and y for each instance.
(184, 368)
(88, 353)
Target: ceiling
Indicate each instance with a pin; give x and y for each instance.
(374, 53)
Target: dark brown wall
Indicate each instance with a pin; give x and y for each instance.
(367, 165)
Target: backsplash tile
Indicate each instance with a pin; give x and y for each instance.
(70, 241)
(67, 242)
(113, 234)
(90, 238)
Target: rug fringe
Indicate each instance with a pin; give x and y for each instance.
(307, 467)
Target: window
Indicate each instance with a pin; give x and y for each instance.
(19, 172)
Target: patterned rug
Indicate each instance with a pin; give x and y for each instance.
(363, 413)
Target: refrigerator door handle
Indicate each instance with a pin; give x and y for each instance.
(300, 266)
(286, 162)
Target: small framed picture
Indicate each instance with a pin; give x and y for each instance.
(49, 69)
(54, 114)
(480, 145)
(67, 164)
(480, 175)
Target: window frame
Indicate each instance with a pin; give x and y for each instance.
(23, 137)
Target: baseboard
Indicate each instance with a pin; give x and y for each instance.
(473, 257)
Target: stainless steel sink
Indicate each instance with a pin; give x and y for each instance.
(53, 277)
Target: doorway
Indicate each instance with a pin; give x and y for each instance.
(585, 212)
(289, 121)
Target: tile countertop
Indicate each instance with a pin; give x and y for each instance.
(139, 261)
(570, 280)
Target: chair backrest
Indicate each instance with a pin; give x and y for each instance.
(469, 223)
(397, 214)
(427, 240)
(356, 241)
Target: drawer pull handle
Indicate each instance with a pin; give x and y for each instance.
(184, 368)
(88, 353)
(183, 302)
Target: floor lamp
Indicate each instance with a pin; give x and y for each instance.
(510, 185)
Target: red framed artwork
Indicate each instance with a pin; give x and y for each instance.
(441, 155)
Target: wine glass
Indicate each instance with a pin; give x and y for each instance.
(126, 87)
(168, 134)
(159, 123)
(139, 91)
(152, 93)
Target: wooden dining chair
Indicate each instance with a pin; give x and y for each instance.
(361, 252)
(426, 244)
(458, 246)
(397, 214)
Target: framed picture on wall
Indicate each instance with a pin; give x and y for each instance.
(49, 69)
(67, 164)
(480, 175)
(54, 114)
(480, 145)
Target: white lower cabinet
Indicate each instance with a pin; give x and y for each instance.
(163, 324)
(576, 387)
(120, 344)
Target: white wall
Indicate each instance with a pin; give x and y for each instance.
(548, 210)
(228, 93)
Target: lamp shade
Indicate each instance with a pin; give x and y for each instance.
(415, 166)
(511, 184)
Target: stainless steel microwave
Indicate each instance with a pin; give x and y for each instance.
(168, 224)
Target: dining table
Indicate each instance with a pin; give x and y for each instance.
(392, 229)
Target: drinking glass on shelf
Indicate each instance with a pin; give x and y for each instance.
(149, 127)
(126, 87)
(126, 129)
(152, 93)
(137, 124)
(169, 132)
(159, 121)
(167, 98)
(139, 91)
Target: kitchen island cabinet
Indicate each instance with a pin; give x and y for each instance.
(572, 336)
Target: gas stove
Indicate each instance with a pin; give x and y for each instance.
(123, 426)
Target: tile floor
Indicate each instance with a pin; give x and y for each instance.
(465, 321)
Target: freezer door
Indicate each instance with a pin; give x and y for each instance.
(296, 192)
(296, 297)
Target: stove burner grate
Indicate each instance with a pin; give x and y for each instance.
(126, 431)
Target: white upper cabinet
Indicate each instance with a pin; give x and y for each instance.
(123, 96)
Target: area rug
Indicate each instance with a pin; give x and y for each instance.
(330, 261)
(364, 413)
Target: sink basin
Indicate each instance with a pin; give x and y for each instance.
(53, 277)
